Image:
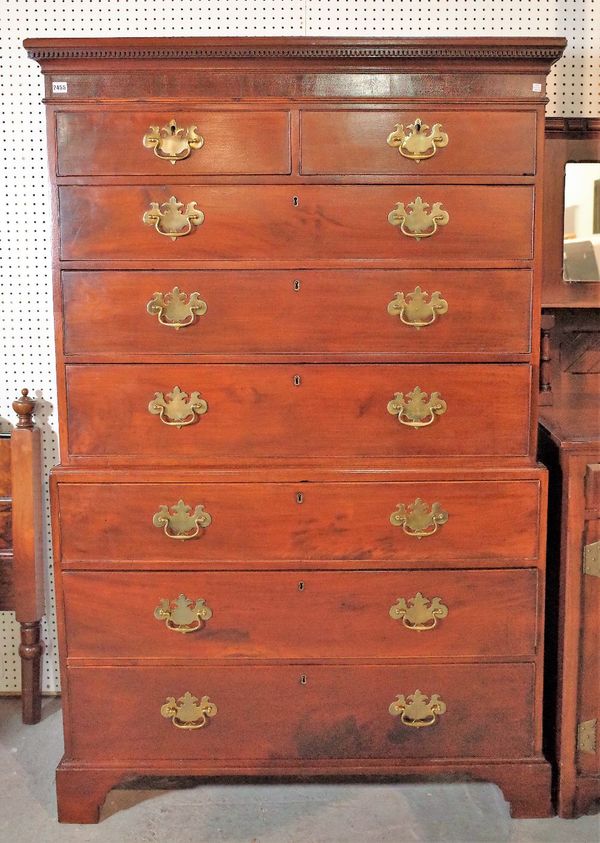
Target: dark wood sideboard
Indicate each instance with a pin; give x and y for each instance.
(570, 447)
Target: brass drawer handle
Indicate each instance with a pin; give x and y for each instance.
(173, 143)
(179, 522)
(413, 308)
(417, 409)
(176, 309)
(182, 614)
(170, 221)
(417, 519)
(418, 221)
(416, 711)
(188, 712)
(178, 409)
(414, 142)
(419, 612)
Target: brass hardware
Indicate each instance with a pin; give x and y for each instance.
(417, 519)
(301, 585)
(303, 679)
(297, 380)
(587, 736)
(187, 712)
(416, 711)
(414, 142)
(297, 285)
(170, 221)
(418, 222)
(419, 612)
(417, 409)
(182, 614)
(179, 522)
(414, 309)
(591, 559)
(178, 409)
(295, 201)
(299, 497)
(175, 309)
(171, 143)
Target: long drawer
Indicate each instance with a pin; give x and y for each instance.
(132, 412)
(355, 141)
(301, 312)
(321, 615)
(474, 523)
(301, 712)
(111, 142)
(288, 223)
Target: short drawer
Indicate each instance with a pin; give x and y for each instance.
(284, 615)
(301, 713)
(301, 312)
(429, 142)
(285, 222)
(486, 522)
(174, 142)
(234, 411)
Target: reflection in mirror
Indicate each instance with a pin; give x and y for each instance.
(582, 222)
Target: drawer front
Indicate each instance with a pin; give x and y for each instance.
(265, 714)
(259, 312)
(224, 142)
(477, 142)
(322, 615)
(282, 410)
(487, 520)
(281, 222)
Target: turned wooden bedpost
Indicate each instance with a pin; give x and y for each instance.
(28, 566)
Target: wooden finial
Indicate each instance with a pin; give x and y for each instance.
(24, 408)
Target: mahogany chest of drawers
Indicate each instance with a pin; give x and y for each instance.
(298, 518)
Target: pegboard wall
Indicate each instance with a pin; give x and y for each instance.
(26, 311)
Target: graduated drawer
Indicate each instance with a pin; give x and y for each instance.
(110, 142)
(488, 522)
(306, 410)
(280, 222)
(320, 615)
(301, 712)
(355, 141)
(331, 311)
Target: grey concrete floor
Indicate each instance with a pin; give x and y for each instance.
(255, 813)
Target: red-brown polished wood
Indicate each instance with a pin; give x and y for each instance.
(298, 459)
(301, 313)
(289, 411)
(295, 223)
(351, 141)
(316, 615)
(489, 523)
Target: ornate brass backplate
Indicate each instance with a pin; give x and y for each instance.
(178, 409)
(418, 221)
(417, 519)
(182, 614)
(179, 522)
(170, 221)
(176, 309)
(416, 710)
(414, 309)
(416, 142)
(188, 712)
(417, 409)
(419, 612)
(173, 143)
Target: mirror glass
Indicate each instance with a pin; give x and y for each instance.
(582, 222)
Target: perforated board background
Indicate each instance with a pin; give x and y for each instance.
(25, 300)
